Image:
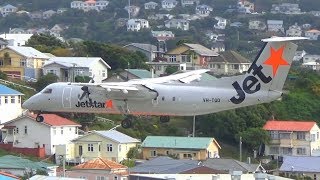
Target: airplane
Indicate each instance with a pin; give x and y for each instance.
(175, 95)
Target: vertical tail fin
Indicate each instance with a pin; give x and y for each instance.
(269, 70)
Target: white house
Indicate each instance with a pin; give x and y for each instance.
(150, 5)
(68, 68)
(312, 34)
(203, 10)
(257, 25)
(26, 132)
(133, 10)
(299, 55)
(137, 24)
(89, 5)
(48, 14)
(16, 39)
(275, 25)
(311, 58)
(285, 8)
(17, 31)
(10, 104)
(294, 31)
(245, 7)
(221, 24)
(8, 9)
(162, 34)
(189, 2)
(177, 24)
(312, 65)
(168, 4)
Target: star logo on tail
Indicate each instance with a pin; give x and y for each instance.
(275, 60)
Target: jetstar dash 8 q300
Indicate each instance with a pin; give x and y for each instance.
(175, 95)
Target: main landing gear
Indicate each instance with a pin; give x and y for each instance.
(127, 122)
(39, 118)
(164, 119)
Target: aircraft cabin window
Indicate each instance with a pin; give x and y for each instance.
(47, 91)
(162, 98)
(173, 98)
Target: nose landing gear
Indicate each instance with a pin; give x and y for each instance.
(39, 118)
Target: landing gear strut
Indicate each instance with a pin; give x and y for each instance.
(127, 122)
(164, 119)
(39, 118)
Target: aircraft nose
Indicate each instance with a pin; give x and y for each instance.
(27, 104)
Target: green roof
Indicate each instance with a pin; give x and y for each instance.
(15, 162)
(177, 142)
(207, 77)
(141, 73)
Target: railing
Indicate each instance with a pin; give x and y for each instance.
(17, 76)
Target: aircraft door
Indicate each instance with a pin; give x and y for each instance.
(66, 97)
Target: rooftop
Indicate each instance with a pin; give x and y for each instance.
(230, 57)
(100, 163)
(14, 162)
(141, 73)
(288, 125)
(301, 164)
(199, 49)
(4, 90)
(117, 136)
(75, 61)
(28, 52)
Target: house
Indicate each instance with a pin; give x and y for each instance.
(150, 5)
(203, 10)
(228, 62)
(189, 2)
(36, 15)
(99, 168)
(48, 14)
(149, 50)
(22, 62)
(236, 24)
(312, 65)
(312, 34)
(18, 166)
(8, 9)
(137, 24)
(89, 5)
(221, 24)
(301, 167)
(129, 74)
(25, 132)
(43, 177)
(17, 31)
(218, 47)
(7, 176)
(197, 148)
(168, 4)
(194, 55)
(285, 8)
(245, 7)
(299, 55)
(58, 28)
(292, 138)
(177, 24)
(68, 68)
(16, 39)
(257, 25)
(10, 104)
(110, 144)
(162, 34)
(3, 44)
(275, 25)
(132, 10)
(294, 31)
(160, 67)
(61, 10)
(310, 58)
(160, 16)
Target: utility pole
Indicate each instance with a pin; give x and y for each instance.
(194, 126)
(240, 144)
(129, 9)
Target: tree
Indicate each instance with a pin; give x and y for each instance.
(3, 75)
(133, 153)
(254, 137)
(44, 42)
(45, 80)
(171, 69)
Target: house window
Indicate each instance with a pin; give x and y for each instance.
(313, 137)
(103, 73)
(1, 62)
(76, 130)
(19, 99)
(119, 147)
(6, 99)
(100, 178)
(286, 151)
(301, 151)
(185, 58)
(153, 153)
(61, 130)
(23, 63)
(236, 66)
(173, 58)
(25, 130)
(54, 131)
(52, 71)
(317, 135)
(218, 66)
(13, 99)
(301, 135)
(274, 150)
(274, 134)
(109, 147)
(17, 130)
(285, 136)
(90, 147)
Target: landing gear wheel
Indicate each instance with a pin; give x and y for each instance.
(164, 119)
(39, 118)
(126, 123)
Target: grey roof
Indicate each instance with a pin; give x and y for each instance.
(9, 6)
(145, 47)
(3, 42)
(301, 164)
(117, 136)
(198, 48)
(230, 57)
(230, 165)
(165, 165)
(28, 52)
(75, 61)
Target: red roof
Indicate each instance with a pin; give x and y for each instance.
(55, 120)
(8, 175)
(274, 125)
(100, 163)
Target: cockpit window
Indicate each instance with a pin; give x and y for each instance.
(47, 91)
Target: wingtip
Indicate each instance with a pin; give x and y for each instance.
(282, 39)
